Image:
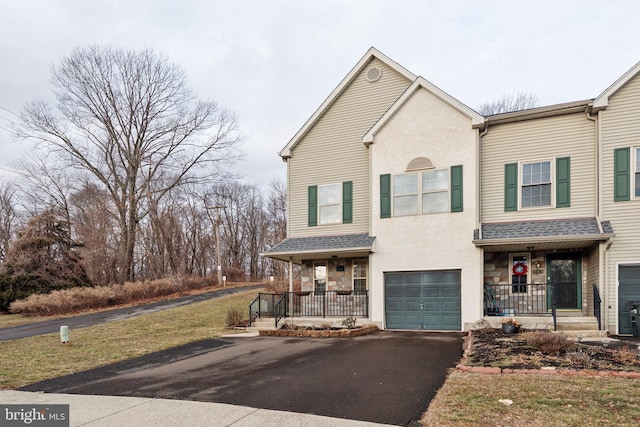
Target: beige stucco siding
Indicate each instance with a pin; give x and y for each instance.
(426, 126)
(333, 152)
(620, 127)
(538, 140)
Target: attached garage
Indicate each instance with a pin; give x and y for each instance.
(423, 300)
(628, 290)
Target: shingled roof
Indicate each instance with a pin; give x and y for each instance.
(572, 229)
(298, 247)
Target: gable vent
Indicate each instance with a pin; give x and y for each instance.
(374, 74)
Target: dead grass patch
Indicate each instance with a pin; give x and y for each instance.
(469, 399)
(76, 300)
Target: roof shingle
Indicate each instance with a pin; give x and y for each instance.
(319, 243)
(550, 228)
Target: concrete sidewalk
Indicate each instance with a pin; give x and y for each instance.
(111, 411)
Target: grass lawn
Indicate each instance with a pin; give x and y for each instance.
(33, 359)
(472, 399)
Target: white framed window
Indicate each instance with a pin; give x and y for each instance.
(536, 184)
(636, 172)
(330, 203)
(425, 192)
(319, 278)
(405, 194)
(435, 191)
(519, 272)
(359, 276)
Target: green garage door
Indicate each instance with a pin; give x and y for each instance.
(426, 300)
(628, 290)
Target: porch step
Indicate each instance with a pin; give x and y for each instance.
(586, 333)
(262, 323)
(574, 327)
(577, 323)
(570, 326)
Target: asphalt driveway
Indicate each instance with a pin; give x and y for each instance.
(386, 377)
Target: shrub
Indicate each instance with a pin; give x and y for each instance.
(625, 356)
(79, 299)
(234, 274)
(349, 322)
(579, 360)
(234, 317)
(549, 343)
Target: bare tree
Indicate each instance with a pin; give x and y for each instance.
(508, 103)
(95, 224)
(8, 216)
(277, 214)
(130, 121)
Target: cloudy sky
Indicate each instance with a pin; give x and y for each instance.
(273, 62)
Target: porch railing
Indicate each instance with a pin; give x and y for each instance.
(597, 302)
(263, 306)
(516, 299)
(310, 304)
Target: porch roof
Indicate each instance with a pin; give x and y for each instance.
(543, 235)
(318, 247)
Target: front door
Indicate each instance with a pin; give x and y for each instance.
(565, 271)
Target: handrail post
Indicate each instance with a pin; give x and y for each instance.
(554, 304)
(597, 302)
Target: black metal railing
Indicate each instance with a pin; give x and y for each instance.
(555, 294)
(310, 304)
(280, 308)
(262, 306)
(330, 304)
(516, 299)
(597, 302)
(254, 310)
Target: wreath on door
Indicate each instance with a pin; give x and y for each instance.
(519, 269)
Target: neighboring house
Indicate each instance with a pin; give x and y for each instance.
(441, 217)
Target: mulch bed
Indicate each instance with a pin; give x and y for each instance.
(493, 348)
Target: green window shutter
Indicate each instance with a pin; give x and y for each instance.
(563, 184)
(385, 196)
(456, 188)
(510, 187)
(313, 205)
(622, 174)
(347, 202)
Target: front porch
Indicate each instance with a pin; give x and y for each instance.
(544, 271)
(312, 306)
(535, 306)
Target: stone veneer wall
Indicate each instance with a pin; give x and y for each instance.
(498, 271)
(336, 280)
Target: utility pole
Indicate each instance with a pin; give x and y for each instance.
(216, 230)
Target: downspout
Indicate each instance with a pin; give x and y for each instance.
(479, 208)
(587, 113)
(605, 320)
(603, 258)
(479, 180)
(290, 288)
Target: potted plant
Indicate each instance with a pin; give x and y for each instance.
(510, 326)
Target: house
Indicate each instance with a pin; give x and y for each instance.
(414, 211)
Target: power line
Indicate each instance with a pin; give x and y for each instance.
(9, 111)
(7, 129)
(9, 120)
